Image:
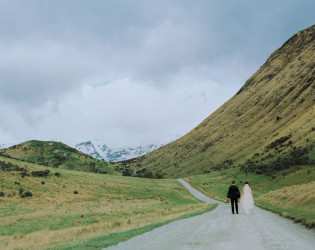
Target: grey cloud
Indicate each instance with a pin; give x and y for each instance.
(51, 52)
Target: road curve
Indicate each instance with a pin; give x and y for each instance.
(219, 229)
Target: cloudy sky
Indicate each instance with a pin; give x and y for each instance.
(130, 72)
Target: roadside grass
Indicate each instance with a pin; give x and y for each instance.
(289, 193)
(114, 238)
(296, 202)
(104, 204)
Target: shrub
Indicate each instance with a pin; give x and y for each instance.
(25, 194)
(28, 194)
(278, 142)
(44, 173)
(24, 173)
(299, 156)
(127, 172)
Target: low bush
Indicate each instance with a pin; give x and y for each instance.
(299, 156)
(44, 173)
(278, 142)
(28, 194)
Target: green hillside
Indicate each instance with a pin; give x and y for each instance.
(75, 208)
(56, 155)
(269, 119)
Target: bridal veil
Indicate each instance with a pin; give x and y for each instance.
(247, 201)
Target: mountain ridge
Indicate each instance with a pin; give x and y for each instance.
(100, 150)
(277, 101)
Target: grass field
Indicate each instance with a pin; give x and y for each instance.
(289, 193)
(56, 217)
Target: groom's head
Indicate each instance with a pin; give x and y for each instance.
(233, 182)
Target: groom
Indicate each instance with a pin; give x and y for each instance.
(234, 194)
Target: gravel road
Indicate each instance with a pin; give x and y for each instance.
(219, 229)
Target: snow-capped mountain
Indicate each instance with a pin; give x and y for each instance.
(100, 150)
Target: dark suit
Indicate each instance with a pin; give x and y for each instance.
(234, 194)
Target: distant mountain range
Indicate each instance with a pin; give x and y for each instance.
(100, 150)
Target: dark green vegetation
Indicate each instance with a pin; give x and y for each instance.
(297, 157)
(271, 114)
(127, 169)
(56, 155)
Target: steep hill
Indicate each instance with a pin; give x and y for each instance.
(56, 155)
(270, 116)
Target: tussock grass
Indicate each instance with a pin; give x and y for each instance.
(104, 204)
(296, 202)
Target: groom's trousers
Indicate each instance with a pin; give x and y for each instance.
(234, 200)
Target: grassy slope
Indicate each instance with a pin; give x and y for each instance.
(296, 202)
(57, 155)
(56, 217)
(278, 100)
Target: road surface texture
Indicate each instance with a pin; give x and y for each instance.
(220, 229)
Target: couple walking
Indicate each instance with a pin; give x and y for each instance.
(247, 201)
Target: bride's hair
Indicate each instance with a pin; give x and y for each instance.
(247, 183)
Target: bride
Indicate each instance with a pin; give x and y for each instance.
(247, 201)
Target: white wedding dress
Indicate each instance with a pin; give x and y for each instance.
(247, 201)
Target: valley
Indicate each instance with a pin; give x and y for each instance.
(56, 197)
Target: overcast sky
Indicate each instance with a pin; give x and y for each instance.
(131, 72)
